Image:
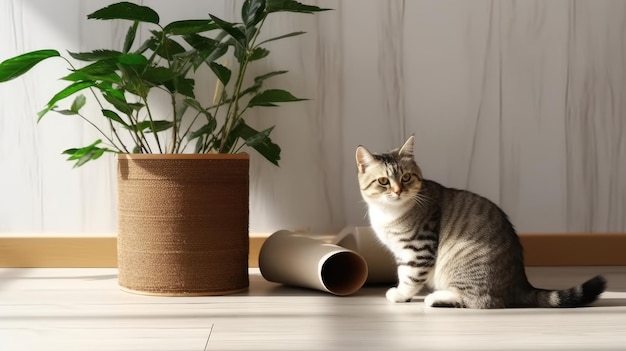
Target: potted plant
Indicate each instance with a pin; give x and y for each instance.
(182, 178)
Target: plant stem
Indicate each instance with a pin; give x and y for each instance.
(120, 149)
(156, 136)
(100, 131)
(174, 124)
(186, 133)
(233, 107)
(141, 140)
(232, 115)
(239, 148)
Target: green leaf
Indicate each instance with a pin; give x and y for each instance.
(85, 154)
(104, 86)
(118, 100)
(136, 106)
(127, 11)
(292, 34)
(211, 56)
(130, 37)
(151, 126)
(98, 68)
(158, 75)
(78, 103)
(67, 91)
(199, 145)
(116, 93)
(104, 70)
(259, 137)
(65, 112)
(225, 146)
(200, 42)
(250, 33)
(207, 49)
(222, 73)
(258, 82)
(132, 82)
(18, 65)
(165, 47)
(240, 51)
(263, 77)
(184, 62)
(112, 115)
(291, 6)
(145, 46)
(196, 106)
(258, 54)
(204, 130)
(181, 109)
(252, 12)
(109, 77)
(234, 32)
(189, 27)
(260, 141)
(95, 55)
(272, 96)
(132, 60)
(184, 86)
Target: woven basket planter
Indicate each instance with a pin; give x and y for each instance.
(183, 224)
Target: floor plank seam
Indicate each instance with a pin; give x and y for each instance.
(206, 346)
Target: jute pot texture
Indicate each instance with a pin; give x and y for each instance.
(183, 224)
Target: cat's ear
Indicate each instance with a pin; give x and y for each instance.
(407, 148)
(363, 158)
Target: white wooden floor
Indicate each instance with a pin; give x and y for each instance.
(83, 309)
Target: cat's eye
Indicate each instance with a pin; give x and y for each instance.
(383, 181)
(406, 177)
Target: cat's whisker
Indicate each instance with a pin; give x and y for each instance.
(421, 200)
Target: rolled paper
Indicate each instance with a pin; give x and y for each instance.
(380, 261)
(300, 260)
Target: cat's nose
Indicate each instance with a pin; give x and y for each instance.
(397, 190)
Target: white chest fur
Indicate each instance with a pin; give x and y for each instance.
(382, 218)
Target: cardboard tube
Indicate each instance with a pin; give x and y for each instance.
(380, 261)
(299, 260)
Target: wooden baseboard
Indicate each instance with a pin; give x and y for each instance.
(574, 249)
(88, 251)
(29, 251)
(584, 249)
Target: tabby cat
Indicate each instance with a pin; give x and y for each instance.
(457, 243)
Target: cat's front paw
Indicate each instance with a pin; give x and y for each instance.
(395, 295)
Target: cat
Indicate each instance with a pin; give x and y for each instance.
(459, 244)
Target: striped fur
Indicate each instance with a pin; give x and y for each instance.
(457, 243)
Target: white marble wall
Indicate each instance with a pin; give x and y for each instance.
(521, 101)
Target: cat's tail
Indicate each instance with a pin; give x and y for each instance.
(577, 296)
